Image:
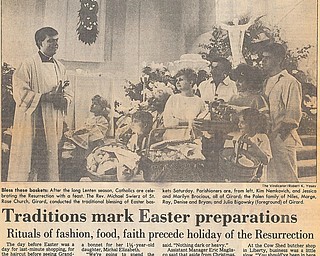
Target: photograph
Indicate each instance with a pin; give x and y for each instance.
(159, 91)
(159, 128)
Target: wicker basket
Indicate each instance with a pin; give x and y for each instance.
(181, 170)
(111, 176)
(213, 126)
(172, 171)
(234, 171)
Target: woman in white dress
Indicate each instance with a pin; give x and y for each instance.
(181, 109)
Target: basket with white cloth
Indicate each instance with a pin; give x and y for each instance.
(112, 163)
(172, 160)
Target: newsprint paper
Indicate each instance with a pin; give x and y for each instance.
(159, 127)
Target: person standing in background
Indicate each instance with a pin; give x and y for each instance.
(219, 86)
(283, 93)
(42, 94)
(249, 83)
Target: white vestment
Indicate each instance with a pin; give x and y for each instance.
(32, 79)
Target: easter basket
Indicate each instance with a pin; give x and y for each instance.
(111, 177)
(113, 162)
(237, 171)
(99, 169)
(175, 168)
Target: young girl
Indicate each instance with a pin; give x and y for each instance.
(126, 154)
(96, 127)
(79, 143)
(141, 126)
(253, 129)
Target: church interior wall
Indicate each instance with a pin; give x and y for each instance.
(137, 31)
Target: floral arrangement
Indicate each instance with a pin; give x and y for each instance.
(149, 94)
(218, 46)
(88, 21)
(6, 77)
(157, 83)
(257, 36)
(292, 61)
(154, 88)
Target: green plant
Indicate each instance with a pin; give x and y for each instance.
(155, 85)
(218, 46)
(256, 37)
(87, 29)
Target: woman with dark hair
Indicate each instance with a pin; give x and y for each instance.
(181, 109)
(249, 84)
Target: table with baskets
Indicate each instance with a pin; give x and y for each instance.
(162, 163)
(219, 168)
(169, 161)
(182, 169)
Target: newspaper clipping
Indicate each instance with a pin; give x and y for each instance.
(159, 127)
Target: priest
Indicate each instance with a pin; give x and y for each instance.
(42, 94)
